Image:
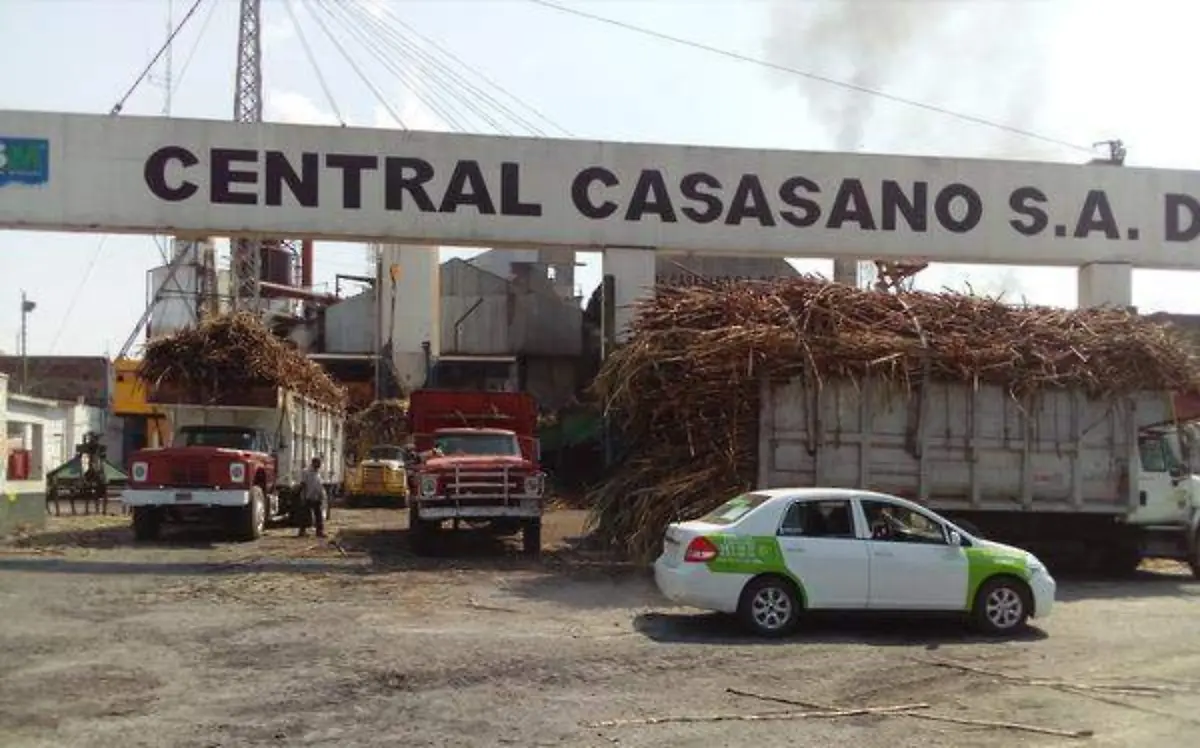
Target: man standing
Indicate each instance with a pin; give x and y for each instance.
(312, 500)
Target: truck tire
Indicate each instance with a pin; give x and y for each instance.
(531, 537)
(147, 523)
(1194, 554)
(251, 520)
(421, 533)
(1002, 606)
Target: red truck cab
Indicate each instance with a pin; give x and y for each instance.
(479, 463)
(225, 469)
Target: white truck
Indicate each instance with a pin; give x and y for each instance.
(237, 460)
(1059, 473)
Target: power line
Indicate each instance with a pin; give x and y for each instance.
(154, 60)
(187, 63)
(358, 71)
(312, 60)
(450, 55)
(87, 273)
(440, 79)
(810, 75)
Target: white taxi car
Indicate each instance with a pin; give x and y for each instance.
(769, 555)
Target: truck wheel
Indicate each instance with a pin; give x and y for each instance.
(252, 518)
(420, 532)
(147, 523)
(1121, 562)
(531, 537)
(1001, 607)
(1194, 554)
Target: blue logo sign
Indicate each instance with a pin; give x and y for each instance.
(24, 161)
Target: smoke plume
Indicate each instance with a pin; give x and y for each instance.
(983, 57)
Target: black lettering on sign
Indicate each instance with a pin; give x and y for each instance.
(690, 186)
(850, 205)
(467, 187)
(650, 195)
(580, 196)
(155, 173)
(943, 208)
(1185, 226)
(277, 171)
(1022, 202)
(225, 176)
(401, 175)
(352, 166)
(749, 201)
(510, 193)
(1096, 215)
(809, 211)
(914, 210)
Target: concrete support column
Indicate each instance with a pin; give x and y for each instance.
(845, 271)
(408, 290)
(1105, 284)
(633, 270)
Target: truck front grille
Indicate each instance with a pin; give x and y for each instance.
(186, 473)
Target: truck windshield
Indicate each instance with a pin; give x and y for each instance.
(225, 437)
(479, 444)
(385, 453)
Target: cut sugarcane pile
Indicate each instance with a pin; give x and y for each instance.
(231, 353)
(684, 390)
(383, 422)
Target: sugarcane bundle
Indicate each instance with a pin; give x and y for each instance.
(382, 422)
(683, 391)
(233, 353)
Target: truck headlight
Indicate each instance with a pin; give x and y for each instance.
(140, 472)
(533, 485)
(429, 485)
(237, 472)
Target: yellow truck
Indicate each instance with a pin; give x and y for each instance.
(379, 477)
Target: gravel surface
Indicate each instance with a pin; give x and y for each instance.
(356, 642)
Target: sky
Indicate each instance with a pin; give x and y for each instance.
(1077, 71)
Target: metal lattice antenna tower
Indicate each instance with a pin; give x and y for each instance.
(245, 254)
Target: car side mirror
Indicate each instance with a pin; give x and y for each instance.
(956, 538)
(1175, 471)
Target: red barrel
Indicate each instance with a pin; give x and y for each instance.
(19, 461)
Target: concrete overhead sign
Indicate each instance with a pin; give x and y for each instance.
(153, 175)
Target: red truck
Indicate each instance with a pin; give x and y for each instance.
(478, 464)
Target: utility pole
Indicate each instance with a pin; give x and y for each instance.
(27, 306)
(246, 254)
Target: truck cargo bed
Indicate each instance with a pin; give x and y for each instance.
(955, 447)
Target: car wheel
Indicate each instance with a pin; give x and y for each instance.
(1002, 606)
(770, 606)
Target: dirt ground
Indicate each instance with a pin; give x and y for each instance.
(356, 642)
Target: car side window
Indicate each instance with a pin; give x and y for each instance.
(893, 523)
(818, 519)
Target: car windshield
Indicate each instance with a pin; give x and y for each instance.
(478, 444)
(734, 509)
(385, 453)
(224, 437)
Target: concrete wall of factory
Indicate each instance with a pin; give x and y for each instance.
(484, 314)
(348, 327)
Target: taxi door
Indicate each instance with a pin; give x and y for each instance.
(821, 549)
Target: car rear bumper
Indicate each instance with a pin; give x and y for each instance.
(189, 497)
(1043, 587)
(695, 586)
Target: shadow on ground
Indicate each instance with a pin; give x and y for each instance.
(877, 630)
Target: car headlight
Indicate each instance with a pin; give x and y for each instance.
(237, 472)
(533, 485)
(140, 472)
(429, 485)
